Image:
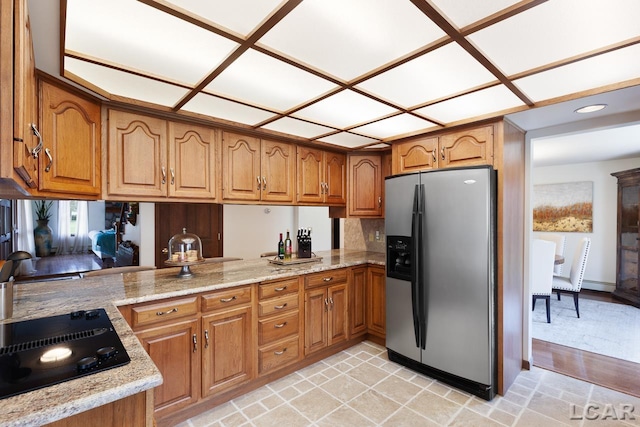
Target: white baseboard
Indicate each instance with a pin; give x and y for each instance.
(598, 286)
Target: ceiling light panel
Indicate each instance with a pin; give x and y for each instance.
(348, 39)
(262, 80)
(440, 73)
(226, 110)
(462, 13)
(555, 30)
(348, 140)
(395, 126)
(297, 127)
(480, 103)
(344, 109)
(125, 84)
(138, 36)
(239, 16)
(602, 70)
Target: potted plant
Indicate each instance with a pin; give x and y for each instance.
(42, 233)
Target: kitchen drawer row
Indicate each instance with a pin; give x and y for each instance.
(213, 346)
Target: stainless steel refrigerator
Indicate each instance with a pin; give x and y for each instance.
(440, 287)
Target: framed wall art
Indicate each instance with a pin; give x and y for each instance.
(564, 207)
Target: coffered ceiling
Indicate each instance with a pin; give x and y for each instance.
(352, 73)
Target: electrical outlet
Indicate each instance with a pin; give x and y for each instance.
(371, 237)
(377, 236)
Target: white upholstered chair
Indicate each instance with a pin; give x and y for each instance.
(560, 242)
(542, 273)
(573, 283)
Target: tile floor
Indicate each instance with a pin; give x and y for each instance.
(361, 387)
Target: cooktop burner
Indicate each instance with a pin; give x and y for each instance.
(41, 352)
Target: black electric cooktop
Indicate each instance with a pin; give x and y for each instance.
(41, 352)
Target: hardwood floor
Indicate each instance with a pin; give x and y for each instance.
(60, 266)
(609, 372)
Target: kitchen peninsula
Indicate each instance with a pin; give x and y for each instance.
(121, 292)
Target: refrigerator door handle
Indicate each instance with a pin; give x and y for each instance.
(415, 276)
(422, 282)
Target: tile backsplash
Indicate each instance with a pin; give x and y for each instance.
(361, 234)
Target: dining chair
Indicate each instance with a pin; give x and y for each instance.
(543, 259)
(116, 270)
(560, 242)
(573, 283)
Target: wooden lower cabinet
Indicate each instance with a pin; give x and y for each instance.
(173, 348)
(376, 307)
(357, 302)
(227, 359)
(325, 316)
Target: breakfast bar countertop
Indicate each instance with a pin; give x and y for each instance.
(42, 299)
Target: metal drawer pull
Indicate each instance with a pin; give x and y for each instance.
(280, 307)
(195, 343)
(327, 279)
(442, 152)
(227, 299)
(279, 353)
(281, 325)
(206, 339)
(48, 153)
(258, 179)
(162, 313)
(280, 289)
(173, 176)
(36, 150)
(164, 175)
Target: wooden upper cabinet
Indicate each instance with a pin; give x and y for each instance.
(193, 165)
(365, 185)
(70, 127)
(25, 99)
(321, 177)
(467, 148)
(256, 170)
(416, 155)
(137, 155)
(278, 165)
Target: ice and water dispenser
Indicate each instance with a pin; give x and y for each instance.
(399, 257)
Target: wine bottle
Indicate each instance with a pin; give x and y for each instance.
(280, 248)
(287, 247)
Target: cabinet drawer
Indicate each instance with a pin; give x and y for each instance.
(275, 328)
(159, 312)
(278, 305)
(329, 277)
(276, 289)
(226, 298)
(278, 355)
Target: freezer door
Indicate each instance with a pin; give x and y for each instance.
(400, 336)
(457, 272)
(399, 192)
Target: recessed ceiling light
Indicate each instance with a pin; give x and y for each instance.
(591, 108)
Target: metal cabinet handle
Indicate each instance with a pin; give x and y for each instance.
(259, 182)
(164, 175)
(48, 153)
(327, 279)
(379, 201)
(280, 325)
(206, 339)
(162, 313)
(280, 307)
(280, 289)
(442, 153)
(36, 150)
(279, 353)
(326, 304)
(264, 183)
(227, 299)
(173, 176)
(433, 153)
(331, 303)
(195, 343)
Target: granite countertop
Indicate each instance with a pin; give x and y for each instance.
(35, 300)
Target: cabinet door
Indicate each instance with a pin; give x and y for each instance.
(240, 167)
(376, 307)
(357, 292)
(25, 108)
(173, 351)
(337, 326)
(310, 188)
(315, 320)
(228, 350)
(335, 178)
(278, 171)
(365, 186)
(137, 149)
(193, 165)
(467, 148)
(415, 155)
(70, 127)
